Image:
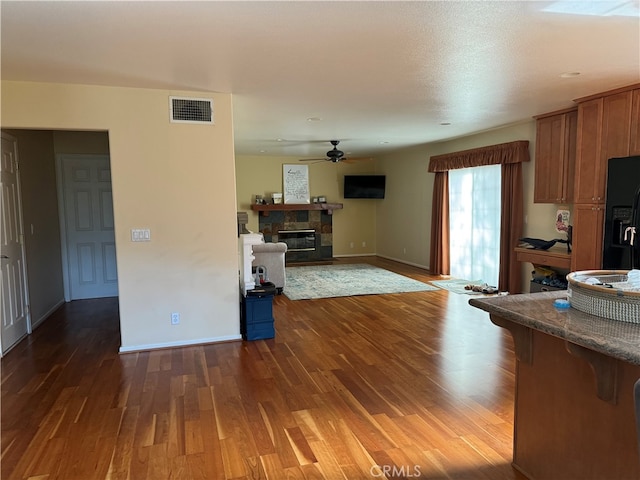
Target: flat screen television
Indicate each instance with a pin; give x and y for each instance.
(364, 186)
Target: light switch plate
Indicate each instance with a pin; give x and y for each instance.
(140, 235)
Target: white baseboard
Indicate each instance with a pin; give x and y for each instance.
(356, 255)
(46, 314)
(188, 343)
(399, 260)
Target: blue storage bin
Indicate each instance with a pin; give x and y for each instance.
(256, 319)
(260, 331)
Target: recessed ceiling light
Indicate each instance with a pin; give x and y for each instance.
(279, 140)
(445, 123)
(263, 151)
(384, 142)
(314, 119)
(569, 74)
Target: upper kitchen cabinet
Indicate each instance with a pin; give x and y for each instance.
(604, 132)
(555, 156)
(616, 125)
(588, 152)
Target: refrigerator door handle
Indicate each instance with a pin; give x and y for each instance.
(631, 233)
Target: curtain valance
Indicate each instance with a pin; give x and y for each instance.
(503, 153)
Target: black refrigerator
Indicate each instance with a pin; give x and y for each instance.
(622, 216)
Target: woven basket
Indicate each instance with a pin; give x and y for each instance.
(612, 300)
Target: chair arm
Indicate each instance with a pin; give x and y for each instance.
(270, 247)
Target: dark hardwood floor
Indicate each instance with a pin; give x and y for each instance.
(415, 385)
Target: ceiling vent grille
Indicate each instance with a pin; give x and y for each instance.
(191, 110)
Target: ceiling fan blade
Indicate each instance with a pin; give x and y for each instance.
(313, 159)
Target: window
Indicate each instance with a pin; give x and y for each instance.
(474, 219)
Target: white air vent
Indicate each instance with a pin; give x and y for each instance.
(190, 110)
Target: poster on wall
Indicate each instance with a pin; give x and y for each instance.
(295, 179)
(562, 221)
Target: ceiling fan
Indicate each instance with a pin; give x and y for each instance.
(334, 155)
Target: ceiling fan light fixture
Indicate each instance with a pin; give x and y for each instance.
(334, 155)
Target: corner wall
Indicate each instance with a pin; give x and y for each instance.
(354, 224)
(404, 219)
(178, 180)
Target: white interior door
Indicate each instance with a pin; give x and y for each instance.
(88, 226)
(13, 279)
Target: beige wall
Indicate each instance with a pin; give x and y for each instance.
(354, 224)
(404, 219)
(178, 180)
(40, 220)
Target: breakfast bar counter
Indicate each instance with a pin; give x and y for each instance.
(574, 414)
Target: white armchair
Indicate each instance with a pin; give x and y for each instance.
(271, 256)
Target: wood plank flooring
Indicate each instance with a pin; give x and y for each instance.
(416, 385)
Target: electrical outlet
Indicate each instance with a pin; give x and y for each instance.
(175, 318)
(364, 244)
(404, 250)
(351, 245)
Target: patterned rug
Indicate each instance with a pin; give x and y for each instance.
(325, 281)
(456, 285)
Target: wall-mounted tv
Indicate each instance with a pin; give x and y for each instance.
(364, 186)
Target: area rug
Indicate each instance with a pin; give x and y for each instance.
(325, 281)
(456, 285)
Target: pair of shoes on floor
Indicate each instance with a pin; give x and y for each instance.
(484, 288)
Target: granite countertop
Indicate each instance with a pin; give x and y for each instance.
(614, 338)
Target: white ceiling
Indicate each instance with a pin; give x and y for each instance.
(373, 72)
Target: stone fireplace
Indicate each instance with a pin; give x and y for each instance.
(308, 233)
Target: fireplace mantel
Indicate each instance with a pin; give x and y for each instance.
(265, 209)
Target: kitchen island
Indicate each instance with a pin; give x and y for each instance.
(574, 414)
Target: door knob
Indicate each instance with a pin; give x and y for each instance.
(3, 256)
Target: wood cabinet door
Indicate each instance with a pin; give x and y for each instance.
(616, 132)
(634, 142)
(588, 228)
(550, 140)
(588, 151)
(555, 157)
(569, 164)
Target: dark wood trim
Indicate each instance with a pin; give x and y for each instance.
(556, 112)
(265, 209)
(605, 369)
(521, 338)
(607, 93)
